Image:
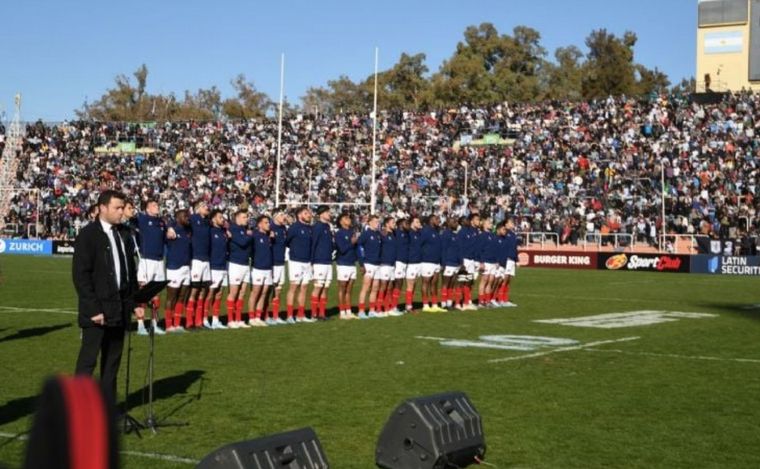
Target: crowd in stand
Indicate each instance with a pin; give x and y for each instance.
(568, 168)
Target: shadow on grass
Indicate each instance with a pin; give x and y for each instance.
(34, 332)
(17, 408)
(750, 311)
(166, 388)
(173, 387)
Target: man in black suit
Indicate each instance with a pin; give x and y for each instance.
(105, 277)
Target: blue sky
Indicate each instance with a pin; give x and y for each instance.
(57, 53)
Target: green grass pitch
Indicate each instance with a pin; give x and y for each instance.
(679, 394)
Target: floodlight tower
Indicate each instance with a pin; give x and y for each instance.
(9, 163)
(14, 133)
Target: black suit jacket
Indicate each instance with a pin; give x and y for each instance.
(94, 275)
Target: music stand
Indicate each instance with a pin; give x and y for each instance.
(144, 296)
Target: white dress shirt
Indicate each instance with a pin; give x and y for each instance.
(108, 228)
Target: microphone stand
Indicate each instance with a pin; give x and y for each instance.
(131, 424)
(145, 296)
(151, 421)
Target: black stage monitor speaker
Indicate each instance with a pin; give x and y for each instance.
(299, 449)
(436, 432)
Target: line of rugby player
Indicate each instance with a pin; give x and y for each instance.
(204, 254)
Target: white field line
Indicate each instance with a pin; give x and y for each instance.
(163, 457)
(673, 355)
(563, 349)
(635, 282)
(601, 298)
(15, 309)
(160, 456)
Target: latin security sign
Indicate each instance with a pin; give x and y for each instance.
(726, 265)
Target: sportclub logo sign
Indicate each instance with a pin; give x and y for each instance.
(644, 262)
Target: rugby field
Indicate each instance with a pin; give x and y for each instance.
(673, 382)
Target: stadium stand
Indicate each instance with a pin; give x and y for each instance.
(577, 175)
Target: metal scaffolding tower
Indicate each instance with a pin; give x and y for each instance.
(9, 162)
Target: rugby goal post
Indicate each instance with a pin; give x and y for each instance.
(278, 170)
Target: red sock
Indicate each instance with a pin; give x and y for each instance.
(217, 307)
(190, 316)
(409, 298)
(323, 307)
(506, 292)
(467, 295)
(179, 308)
(314, 307)
(168, 317)
(444, 295)
(275, 308)
(434, 298)
(259, 313)
(200, 311)
(290, 311)
(396, 295)
(389, 301)
(301, 312)
(251, 315)
(424, 300)
(361, 307)
(239, 311)
(503, 293)
(458, 295)
(230, 311)
(380, 303)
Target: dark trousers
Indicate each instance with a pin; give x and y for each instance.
(109, 342)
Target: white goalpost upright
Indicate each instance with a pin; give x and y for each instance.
(278, 170)
(373, 187)
(279, 133)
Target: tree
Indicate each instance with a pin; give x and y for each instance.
(130, 101)
(249, 102)
(204, 105)
(316, 100)
(466, 77)
(564, 78)
(125, 102)
(517, 74)
(610, 69)
(651, 81)
(488, 67)
(403, 86)
(341, 95)
(684, 87)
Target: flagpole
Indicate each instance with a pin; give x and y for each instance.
(373, 187)
(279, 133)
